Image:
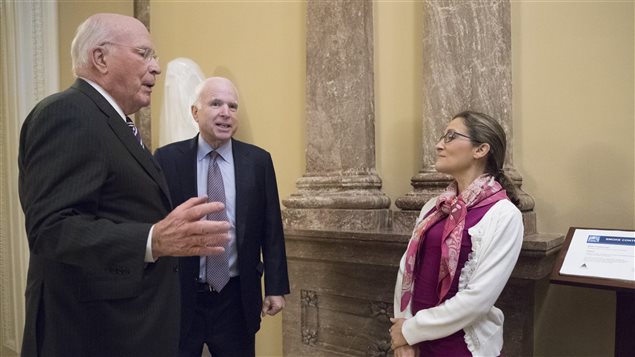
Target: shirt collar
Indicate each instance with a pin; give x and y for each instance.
(105, 94)
(225, 150)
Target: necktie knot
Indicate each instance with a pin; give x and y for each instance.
(135, 131)
(214, 155)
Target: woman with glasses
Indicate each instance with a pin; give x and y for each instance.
(463, 249)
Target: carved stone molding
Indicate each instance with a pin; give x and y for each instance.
(339, 190)
(310, 317)
(379, 349)
(309, 298)
(382, 311)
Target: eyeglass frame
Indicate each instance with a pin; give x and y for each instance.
(146, 52)
(452, 134)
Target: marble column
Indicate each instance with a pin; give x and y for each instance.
(143, 118)
(340, 189)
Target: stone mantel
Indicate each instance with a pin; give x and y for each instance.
(342, 285)
(537, 249)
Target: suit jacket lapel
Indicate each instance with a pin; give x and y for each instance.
(186, 169)
(241, 169)
(125, 135)
(186, 165)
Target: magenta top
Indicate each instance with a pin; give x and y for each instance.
(425, 294)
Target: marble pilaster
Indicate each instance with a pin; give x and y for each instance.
(340, 188)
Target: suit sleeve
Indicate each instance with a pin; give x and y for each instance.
(64, 172)
(273, 250)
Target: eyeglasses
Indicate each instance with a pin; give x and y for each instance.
(146, 52)
(451, 135)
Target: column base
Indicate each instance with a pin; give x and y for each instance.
(336, 219)
(356, 190)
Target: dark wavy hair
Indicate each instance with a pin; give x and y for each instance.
(483, 129)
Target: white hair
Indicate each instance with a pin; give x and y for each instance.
(199, 89)
(197, 94)
(90, 34)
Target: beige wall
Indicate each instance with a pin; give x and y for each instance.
(573, 111)
(574, 145)
(73, 13)
(398, 92)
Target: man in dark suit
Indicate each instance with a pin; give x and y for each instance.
(226, 315)
(101, 281)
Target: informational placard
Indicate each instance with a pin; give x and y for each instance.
(603, 259)
(596, 253)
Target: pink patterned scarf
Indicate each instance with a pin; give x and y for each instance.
(482, 191)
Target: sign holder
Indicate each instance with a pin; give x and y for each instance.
(624, 292)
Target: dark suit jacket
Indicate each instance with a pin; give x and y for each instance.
(90, 194)
(258, 224)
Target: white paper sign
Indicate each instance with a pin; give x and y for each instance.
(601, 254)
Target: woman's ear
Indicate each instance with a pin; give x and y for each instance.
(481, 150)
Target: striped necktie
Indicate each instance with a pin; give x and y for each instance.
(135, 131)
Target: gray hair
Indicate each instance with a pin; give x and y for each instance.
(90, 34)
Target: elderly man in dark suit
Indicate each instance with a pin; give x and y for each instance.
(101, 278)
(221, 296)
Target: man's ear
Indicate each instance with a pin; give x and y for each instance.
(98, 59)
(481, 150)
(194, 110)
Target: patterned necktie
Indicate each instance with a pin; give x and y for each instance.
(135, 131)
(216, 266)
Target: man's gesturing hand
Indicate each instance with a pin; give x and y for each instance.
(183, 233)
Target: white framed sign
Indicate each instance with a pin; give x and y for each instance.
(608, 254)
(603, 258)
